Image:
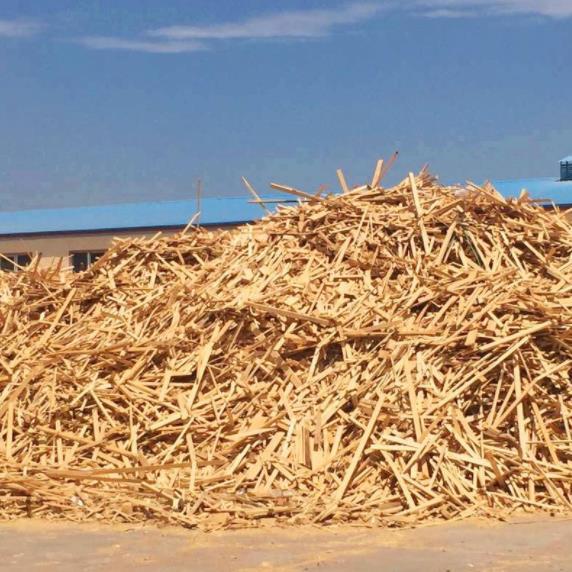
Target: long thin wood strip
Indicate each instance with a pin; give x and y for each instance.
(357, 457)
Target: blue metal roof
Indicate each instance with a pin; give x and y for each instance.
(214, 211)
(548, 189)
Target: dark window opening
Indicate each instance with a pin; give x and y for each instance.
(14, 262)
(83, 260)
(95, 256)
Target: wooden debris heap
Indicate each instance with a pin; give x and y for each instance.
(382, 356)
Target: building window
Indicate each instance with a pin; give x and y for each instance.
(14, 262)
(83, 260)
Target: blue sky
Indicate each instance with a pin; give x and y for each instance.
(129, 100)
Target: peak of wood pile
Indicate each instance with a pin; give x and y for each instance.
(382, 356)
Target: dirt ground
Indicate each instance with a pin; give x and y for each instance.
(539, 544)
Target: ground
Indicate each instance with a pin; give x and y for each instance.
(539, 544)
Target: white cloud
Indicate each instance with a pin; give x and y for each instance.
(461, 8)
(19, 28)
(290, 24)
(302, 24)
(449, 13)
(296, 24)
(151, 47)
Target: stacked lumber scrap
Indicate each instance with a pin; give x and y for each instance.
(382, 356)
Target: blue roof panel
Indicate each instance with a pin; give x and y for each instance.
(566, 159)
(214, 211)
(548, 189)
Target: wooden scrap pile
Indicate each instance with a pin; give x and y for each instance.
(380, 356)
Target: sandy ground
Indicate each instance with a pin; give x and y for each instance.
(539, 544)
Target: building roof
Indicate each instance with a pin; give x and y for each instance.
(149, 215)
(547, 189)
(566, 159)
